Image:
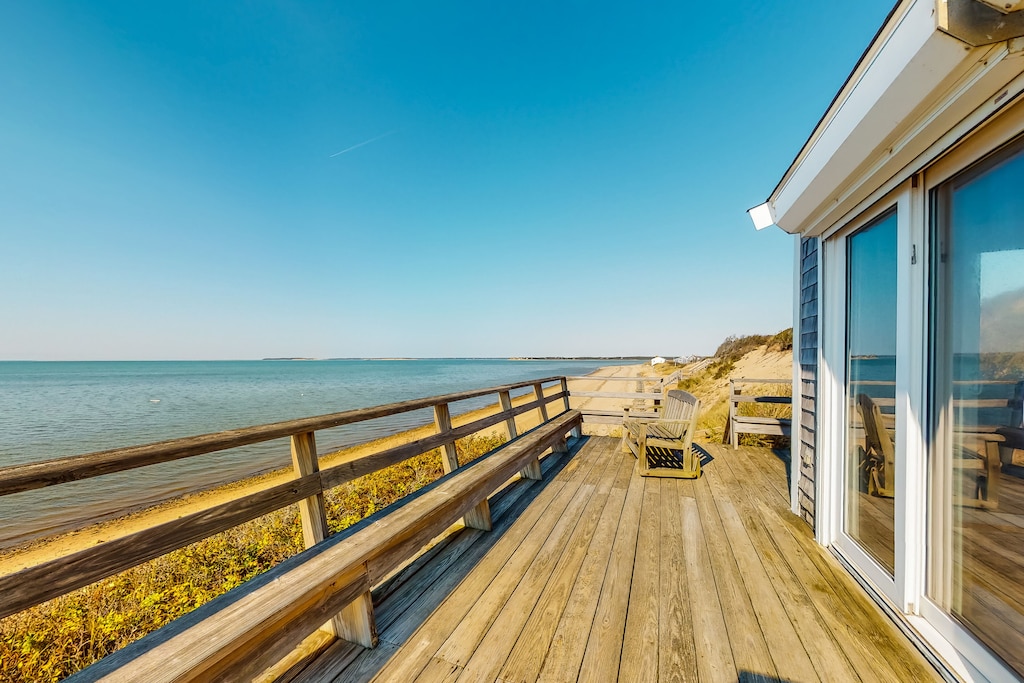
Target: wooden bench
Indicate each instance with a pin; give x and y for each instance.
(250, 628)
(753, 424)
(654, 441)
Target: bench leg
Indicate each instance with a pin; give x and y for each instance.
(532, 470)
(561, 446)
(356, 623)
(479, 517)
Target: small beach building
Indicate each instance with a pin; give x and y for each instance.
(907, 203)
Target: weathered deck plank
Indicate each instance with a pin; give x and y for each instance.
(556, 565)
(425, 634)
(524, 660)
(564, 656)
(715, 660)
(605, 642)
(518, 583)
(838, 598)
(677, 658)
(750, 651)
(639, 659)
(595, 573)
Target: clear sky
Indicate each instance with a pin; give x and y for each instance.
(191, 180)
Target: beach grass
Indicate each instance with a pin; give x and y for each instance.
(55, 639)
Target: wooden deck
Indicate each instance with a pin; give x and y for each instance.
(597, 574)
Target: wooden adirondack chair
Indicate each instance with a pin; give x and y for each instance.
(664, 445)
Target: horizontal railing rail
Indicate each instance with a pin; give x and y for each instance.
(36, 584)
(644, 392)
(16, 478)
(756, 424)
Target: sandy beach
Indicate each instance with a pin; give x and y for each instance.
(43, 550)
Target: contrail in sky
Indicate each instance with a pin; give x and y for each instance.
(365, 142)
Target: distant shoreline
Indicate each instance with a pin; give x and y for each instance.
(36, 550)
(632, 359)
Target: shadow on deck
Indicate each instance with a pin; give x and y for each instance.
(597, 574)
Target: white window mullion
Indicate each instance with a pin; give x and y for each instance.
(911, 510)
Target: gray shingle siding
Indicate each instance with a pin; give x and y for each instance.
(808, 340)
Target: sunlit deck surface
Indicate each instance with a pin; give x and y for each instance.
(598, 574)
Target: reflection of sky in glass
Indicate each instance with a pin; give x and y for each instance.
(987, 250)
(1002, 272)
(871, 328)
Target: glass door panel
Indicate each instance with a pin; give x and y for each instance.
(976, 461)
(870, 471)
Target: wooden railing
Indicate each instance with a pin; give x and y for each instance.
(755, 424)
(654, 391)
(260, 629)
(36, 584)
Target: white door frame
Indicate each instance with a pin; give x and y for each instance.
(832, 405)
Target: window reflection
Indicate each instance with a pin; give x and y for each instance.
(871, 388)
(976, 465)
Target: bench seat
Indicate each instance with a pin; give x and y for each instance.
(250, 628)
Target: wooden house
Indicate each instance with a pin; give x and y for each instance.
(907, 203)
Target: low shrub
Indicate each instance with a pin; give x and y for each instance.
(783, 341)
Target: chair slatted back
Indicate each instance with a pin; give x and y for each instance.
(679, 405)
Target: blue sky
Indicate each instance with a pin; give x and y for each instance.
(540, 178)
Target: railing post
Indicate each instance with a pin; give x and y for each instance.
(577, 432)
(356, 622)
(532, 469)
(480, 516)
(538, 392)
(542, 409)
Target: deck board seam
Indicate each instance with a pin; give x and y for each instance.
(588, 492)
(756, 517)
(570, 485)
(617, 467)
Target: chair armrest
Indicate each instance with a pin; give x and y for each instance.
(642, 420)
(684, 425)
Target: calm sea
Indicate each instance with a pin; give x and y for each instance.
(56, 409)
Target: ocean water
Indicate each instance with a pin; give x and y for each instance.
(58, 409)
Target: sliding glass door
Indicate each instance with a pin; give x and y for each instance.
(975, 461)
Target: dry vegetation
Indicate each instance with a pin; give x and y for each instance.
(711, 386)
(53, 640)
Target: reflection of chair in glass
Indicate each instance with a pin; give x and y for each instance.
(879, 459)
